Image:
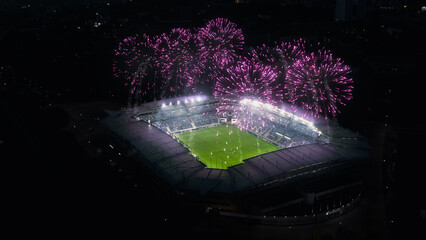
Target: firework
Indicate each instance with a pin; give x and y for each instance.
(191, 67)
(292, 51)
(280, 56)
(210, 60)
(270, 56)
(319, 83)
(221, 41)
(248, 78)
(174, 56)
(178, 61)
(133, 58)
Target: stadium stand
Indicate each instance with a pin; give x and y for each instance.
(271, 125)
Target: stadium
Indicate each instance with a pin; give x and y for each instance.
(270, 153)
(246, 133)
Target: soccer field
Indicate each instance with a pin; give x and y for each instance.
(224, 146)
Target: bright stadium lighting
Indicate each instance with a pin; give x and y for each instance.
(265, 106)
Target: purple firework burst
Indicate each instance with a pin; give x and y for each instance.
(292, 51)
(209, 60)
(271, 56)
(174, 58)
(220, 41)
(281, 56)
(319, 83)
(133, 58)
(247, 79)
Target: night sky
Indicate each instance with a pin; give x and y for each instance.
(56, 77)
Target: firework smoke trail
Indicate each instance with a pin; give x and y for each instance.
(319, 83)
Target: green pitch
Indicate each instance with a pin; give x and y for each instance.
(224, 146)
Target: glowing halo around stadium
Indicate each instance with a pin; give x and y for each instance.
(282, 112)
